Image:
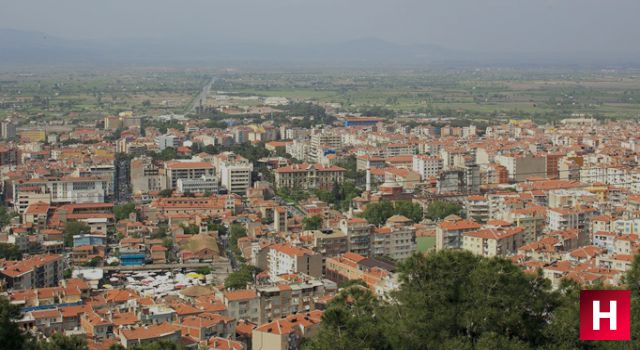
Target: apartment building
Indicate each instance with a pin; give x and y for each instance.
(235, 172)
(450, 231)
(492, 242)
(396, 240)
(286, 333)
(8, 129)
(191, 169)
(520, 167)
(278, 301)
(351, 266)
(202, 185)
(286, 259)
(208, 206)
(37, 271)
(149, 334)
(242, 304)
(427, 166)
(477, 207)
(324, 140)
(309, 176)
(168, 141)
(358, 232)
(63, 189)
(145, 176)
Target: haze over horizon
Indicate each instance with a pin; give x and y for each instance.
(549, 28)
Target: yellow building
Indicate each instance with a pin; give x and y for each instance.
(33, 135)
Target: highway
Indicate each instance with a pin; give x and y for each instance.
(201, 99)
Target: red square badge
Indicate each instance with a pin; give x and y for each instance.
(605, 315)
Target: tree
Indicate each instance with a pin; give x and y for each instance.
(349, 283)
(191, 229)
(165, 193)
(159, 345)
(438, 210)
(123, 211)
(10, 251)
(94, 262)
(312, 223)
(466, 295)
(74, 228)
(5, 216)
(59, 341)
(351, 321)
(378, 213)
(11, 335)
(203, 270)
(455, 300)
(236, 232)
(166, 154)
(412, 211)
(239, 279)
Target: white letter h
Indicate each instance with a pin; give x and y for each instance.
(598, 315)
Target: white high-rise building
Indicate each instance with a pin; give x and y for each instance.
(235, 172)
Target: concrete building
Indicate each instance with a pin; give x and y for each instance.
(449, 232)
(278, 301)
(358, 232)
(8, 129)
(191, 169)
(396, 240)
(145, 176)
(324, 140)
(242, 305)
(285, 259)
(492, 242)
(166, 141)
(64, 189)
(427, 166)
(39, 271)
(521, 167)
(201, 185)
(235, 172)
(308, 176)
(477, 207)
(286, 333)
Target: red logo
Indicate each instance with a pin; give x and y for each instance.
(605, 315)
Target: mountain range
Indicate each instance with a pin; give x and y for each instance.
(23, 48)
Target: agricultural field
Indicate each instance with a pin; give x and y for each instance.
(85, 96)
(545, 95)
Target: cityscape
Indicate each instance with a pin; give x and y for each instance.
(331, 192)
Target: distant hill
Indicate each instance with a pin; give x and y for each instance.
(22, 47)
(32, 47)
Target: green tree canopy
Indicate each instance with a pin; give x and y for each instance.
(438, 210)
(351, 321)
(10, 251)
(455, 300)
(312, 223)
(58, 341)
(239, 279)
(73, 228)
(166, 193)
(11, 336)
(159, 345)
(378, 213)
(122, 211)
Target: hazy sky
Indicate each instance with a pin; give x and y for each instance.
(487, 25)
